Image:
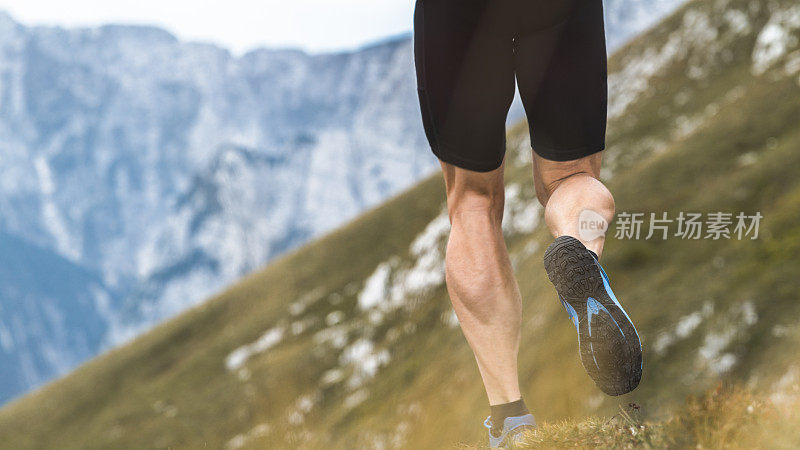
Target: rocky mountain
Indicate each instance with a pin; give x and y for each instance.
(163, 170)
(59, 305)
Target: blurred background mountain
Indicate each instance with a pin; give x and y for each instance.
(140, 174)
(350, 341)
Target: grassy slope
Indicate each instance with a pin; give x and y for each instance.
(724, 417)
(170, 388)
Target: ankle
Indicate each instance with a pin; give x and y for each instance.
(500, 412)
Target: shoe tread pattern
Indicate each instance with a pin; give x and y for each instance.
(612, 359)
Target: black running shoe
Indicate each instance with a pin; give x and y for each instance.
(608, 343)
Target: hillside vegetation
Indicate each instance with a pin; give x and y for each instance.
(725, 417)
(350, 341)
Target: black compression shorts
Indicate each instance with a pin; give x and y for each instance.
(468, 53)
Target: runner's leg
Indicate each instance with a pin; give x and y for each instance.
(480, 279)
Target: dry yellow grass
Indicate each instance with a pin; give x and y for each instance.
(728, 417)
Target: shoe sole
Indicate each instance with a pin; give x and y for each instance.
(608, 344)
(516, 436)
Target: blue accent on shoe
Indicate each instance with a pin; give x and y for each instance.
(608, 343)
(607, 286)
(594, 355)
(593, 308)
(573, 316)
(513, 428)
(610, 292)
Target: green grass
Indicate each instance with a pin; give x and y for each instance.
(171, 389)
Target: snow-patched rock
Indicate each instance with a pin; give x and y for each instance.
(396, 283)
(734, 325)
(237, 358)
(364, 359)
(634, 80)
(522, 212)
(684, 328)
(776, 39)
(375, 288)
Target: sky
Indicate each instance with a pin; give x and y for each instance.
(239, 25)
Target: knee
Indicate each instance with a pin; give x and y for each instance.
(476, 204)
(546, 184)
(582, 191)
(544, 189)
(550, 175)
